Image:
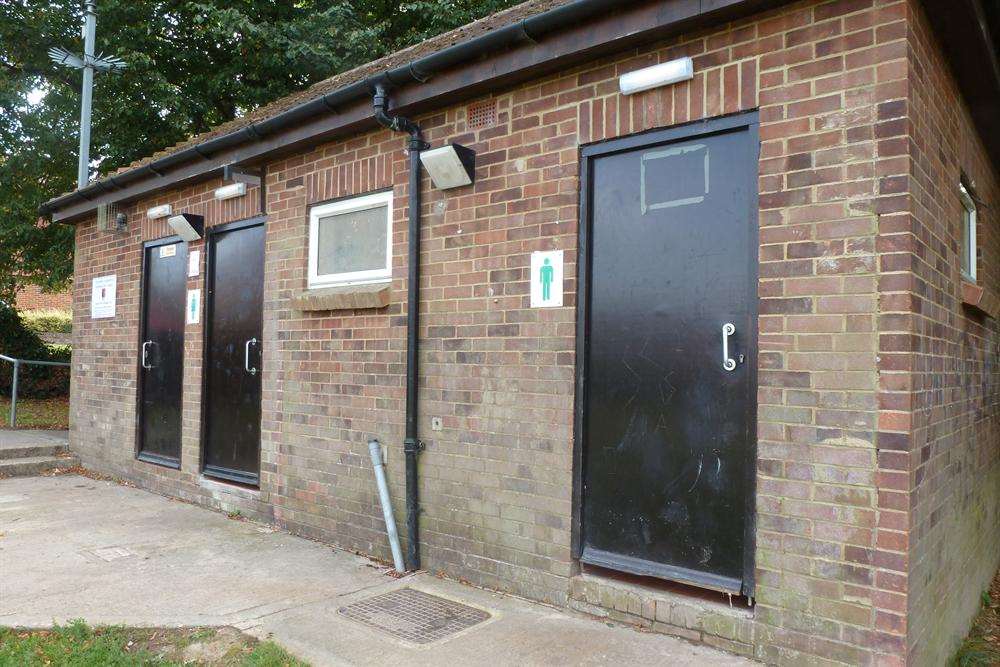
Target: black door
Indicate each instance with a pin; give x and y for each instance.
(233, 321)
(668, 324)
(161, 351)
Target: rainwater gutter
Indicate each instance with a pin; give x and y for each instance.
(531, 29)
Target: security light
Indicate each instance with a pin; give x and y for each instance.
(231, 172)
(663, 74)
(450, 166)
(231, 190)
(188, 226)
(161, 211)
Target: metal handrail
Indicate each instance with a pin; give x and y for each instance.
(13, 383)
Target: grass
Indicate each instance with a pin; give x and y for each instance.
(80, 645)
(42, 413)
(982, 647)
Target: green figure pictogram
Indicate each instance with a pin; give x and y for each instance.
(547, 274)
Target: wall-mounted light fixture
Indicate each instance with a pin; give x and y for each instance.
(664, 74)
(247, 175)
(188, 226)
(231, 190)
(450, 166)
(161, 211)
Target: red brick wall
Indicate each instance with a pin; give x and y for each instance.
(953, 446)
(105, 363)
(31, 297)
(835, 417)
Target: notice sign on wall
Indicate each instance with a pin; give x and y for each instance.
(102, 296)
(194, 306)
(194, 263)
(547, 279)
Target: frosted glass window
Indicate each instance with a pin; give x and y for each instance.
(350, 241)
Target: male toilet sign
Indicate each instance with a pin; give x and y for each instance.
(547, 279)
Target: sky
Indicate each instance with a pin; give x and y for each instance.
(35, 96)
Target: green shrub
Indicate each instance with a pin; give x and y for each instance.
(48, 321)
(20, 342)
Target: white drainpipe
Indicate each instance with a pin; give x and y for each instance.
(375, 449)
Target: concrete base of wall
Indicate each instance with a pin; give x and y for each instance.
(696, 617)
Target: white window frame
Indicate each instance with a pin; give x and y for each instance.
(969, 206)
(360, 203)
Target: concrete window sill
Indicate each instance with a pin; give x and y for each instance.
(980, 298)
(347, 297)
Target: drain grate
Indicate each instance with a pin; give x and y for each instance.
(415, 616)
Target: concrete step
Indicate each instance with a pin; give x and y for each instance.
(21, 451)
(30, 466)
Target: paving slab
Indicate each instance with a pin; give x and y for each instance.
(72, 547)
(32, 437)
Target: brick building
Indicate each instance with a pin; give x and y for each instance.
(31, 297)
(759, 410)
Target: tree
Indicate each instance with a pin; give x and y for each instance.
(191, 66)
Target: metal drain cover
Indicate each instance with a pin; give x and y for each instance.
(413, 615)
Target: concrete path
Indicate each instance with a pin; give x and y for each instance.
(72, 547)
(28, 437)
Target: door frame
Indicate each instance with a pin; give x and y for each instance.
(139, 455)
(209, 288)
(749, 122)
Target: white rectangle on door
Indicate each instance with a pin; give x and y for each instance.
(102, 296)
(547, 279)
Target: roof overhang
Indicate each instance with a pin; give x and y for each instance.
(545, 43)
(968, 31)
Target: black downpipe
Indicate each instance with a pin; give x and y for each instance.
(411, 444)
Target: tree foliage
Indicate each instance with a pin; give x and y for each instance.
(191, 66)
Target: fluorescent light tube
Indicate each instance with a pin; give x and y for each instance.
(161, 211)
(230, 191)
(663, 74)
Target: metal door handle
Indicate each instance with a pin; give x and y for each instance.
(246, 357)
(145, 365)
(728, 329)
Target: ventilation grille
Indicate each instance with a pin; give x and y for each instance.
(106, 214)
(482, 114)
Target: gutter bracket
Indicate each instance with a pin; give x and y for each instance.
(526, 36)
(417, 76)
